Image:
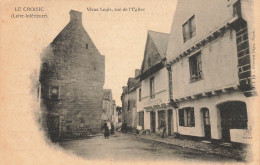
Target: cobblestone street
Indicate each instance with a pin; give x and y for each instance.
(126, 147)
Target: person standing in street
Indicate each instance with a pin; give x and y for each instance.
(109, 126)
(106, 133)
(124, 127)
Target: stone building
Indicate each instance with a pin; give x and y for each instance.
(109, 107)
(128, 99)
(210, 54)
(72, 79)
(154, 110)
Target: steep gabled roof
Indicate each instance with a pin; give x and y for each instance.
(160, 40)
(74, 29)
(155, 49)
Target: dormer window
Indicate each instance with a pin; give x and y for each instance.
(189, 29)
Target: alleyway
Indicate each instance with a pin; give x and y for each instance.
(126, 147)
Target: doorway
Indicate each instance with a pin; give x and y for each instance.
(152, 119)
(169, 122)
(233, 115)
(53, 126)
(141, 119)
(206, 123)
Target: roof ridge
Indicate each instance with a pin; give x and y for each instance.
(158, 32)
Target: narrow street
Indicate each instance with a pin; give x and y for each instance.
(126, 147)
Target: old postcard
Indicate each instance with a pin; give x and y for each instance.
(129, 82)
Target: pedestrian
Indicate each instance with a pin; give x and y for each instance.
(109, 126)
(106, 133)
(124, 127)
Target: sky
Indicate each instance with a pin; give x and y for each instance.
(119, 36)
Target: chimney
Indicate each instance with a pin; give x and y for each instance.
(137, 72)
(75, 16)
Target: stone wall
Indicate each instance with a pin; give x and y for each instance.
(243, 54)
(73, 64)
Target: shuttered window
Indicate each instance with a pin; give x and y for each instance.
(186, 117)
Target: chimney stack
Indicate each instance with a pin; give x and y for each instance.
(75, 16)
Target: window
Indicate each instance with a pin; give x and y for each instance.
(140, 94)
(206, 117)
(190, 118)
(195, 67)
(186, 117)
(189, 29)
(152, 94)
(86, 46)
(54, 92)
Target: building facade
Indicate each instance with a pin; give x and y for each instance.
(129, 100)
(72, 79)
(154, 111)
(210, 58)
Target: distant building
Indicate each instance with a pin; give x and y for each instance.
(154, 111)
(210, 53)
(72, 79)
(128, 98)
(109, 107)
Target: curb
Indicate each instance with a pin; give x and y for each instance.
(197, 149)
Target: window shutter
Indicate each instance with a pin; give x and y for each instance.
(193, 27)
(199, 64)
(192, 118)
(181, 117)
(185, 29)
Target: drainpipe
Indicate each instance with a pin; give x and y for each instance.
(173, 104)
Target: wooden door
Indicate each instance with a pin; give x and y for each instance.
(206, 123)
